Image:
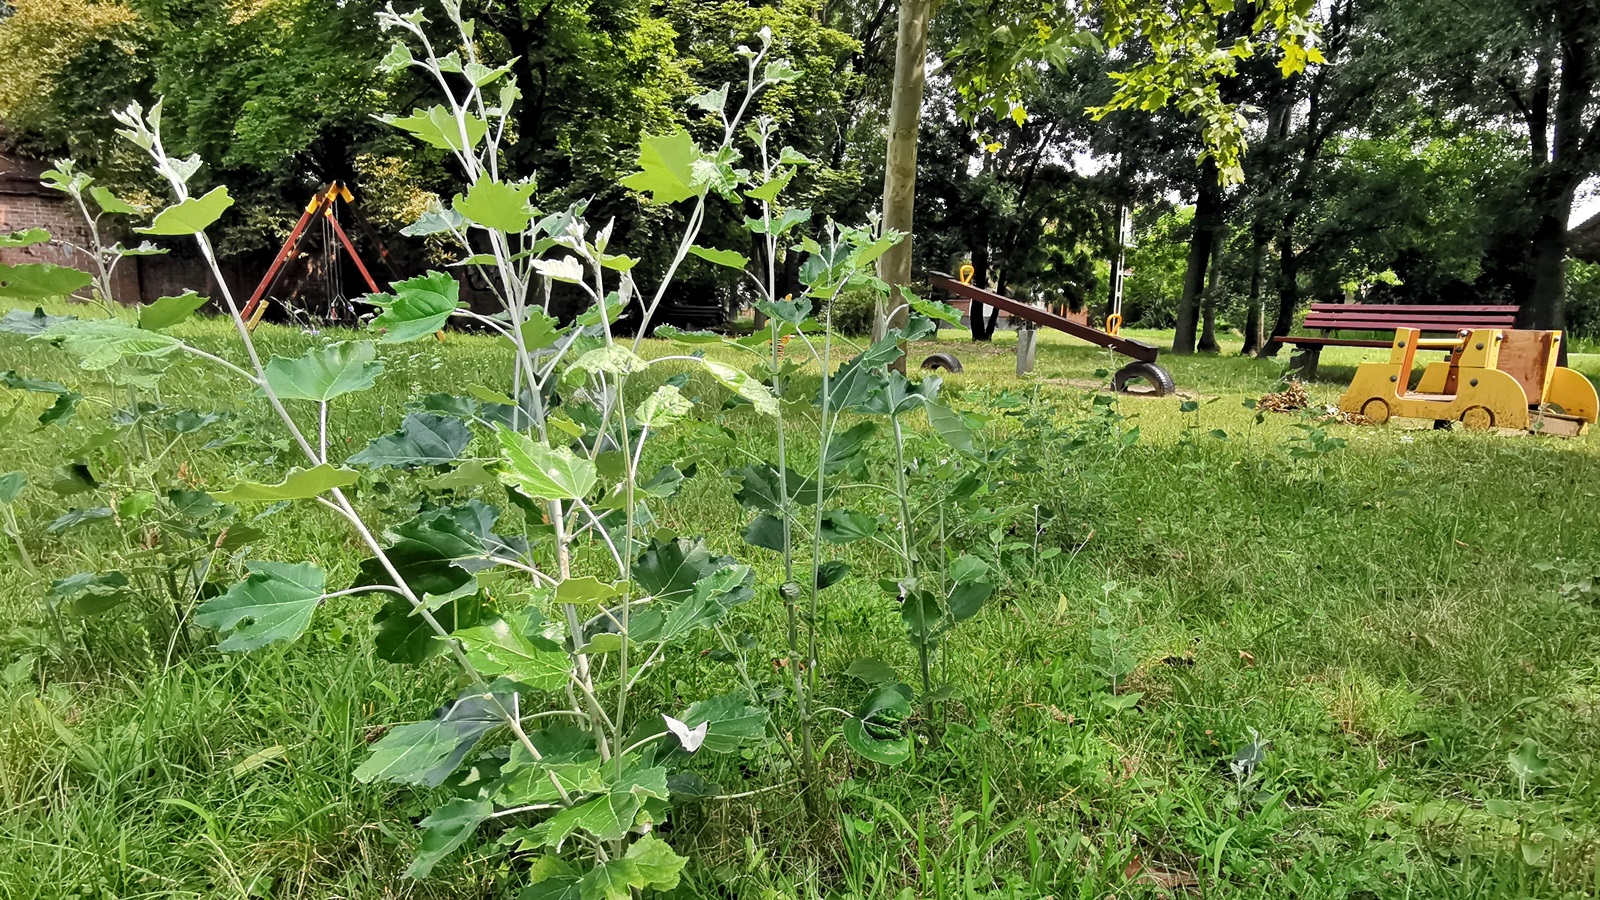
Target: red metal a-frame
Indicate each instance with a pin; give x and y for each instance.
(320, 205)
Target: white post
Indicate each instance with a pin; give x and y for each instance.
(1026, 334)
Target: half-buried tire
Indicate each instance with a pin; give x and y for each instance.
(1144, 378)
(945, 361)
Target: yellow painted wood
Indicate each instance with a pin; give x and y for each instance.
(1574, 393)
(1484, 396)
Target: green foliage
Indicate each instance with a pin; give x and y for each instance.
(542, 472)
(424, 439)
(40, 281)
(854, 311)
(298, 484)
(322, 375)
(190, 216)
(169, 311)
(417, 308)
(877, 730)
(668, 168)
(274, 603)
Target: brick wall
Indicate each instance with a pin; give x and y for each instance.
(25, 203)
(69, 239)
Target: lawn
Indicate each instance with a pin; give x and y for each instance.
(1230, 655)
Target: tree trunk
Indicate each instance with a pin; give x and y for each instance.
(1544, 304)
(1207, 215)
(1208, 327)
(1254, 330)
(900, 169)
(982, 326)
(975, 308)
(1288, 288)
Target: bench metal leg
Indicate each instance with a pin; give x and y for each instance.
(1305, 362)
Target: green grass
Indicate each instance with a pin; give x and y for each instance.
(1374, 612)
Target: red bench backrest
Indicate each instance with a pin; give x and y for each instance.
(1375, 317)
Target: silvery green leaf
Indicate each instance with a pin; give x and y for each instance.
(662, 408)
(566, 268)
(759, 394)
(711, 101)
(398, 57)
(100, 343)
(544, 472)
(32, 282)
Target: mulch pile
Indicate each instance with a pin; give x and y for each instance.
(1294, 398)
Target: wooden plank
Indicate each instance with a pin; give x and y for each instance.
(1330, 324)
(1491, 309)
(1138, 350)
(1528, 356)
(1304, 341)
(1410, 314)
(1404, 315)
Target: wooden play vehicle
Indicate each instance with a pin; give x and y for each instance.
(1493, 378)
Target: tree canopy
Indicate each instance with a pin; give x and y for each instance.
(1274, 152)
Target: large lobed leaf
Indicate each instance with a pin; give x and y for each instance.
(191, 216)
(731, 722)
(424, 439)
(299, 484)
(425, 753)
(417, 307)
(438, 128)
(541, 471)
(28, 324)
(40, 281)
(27, 237)
(497, 205)
(275, 603)
(667, 168)
(101, 343)
(323, 374)
(502, 648)
(670, 570)
(446, 829)
(169, 311)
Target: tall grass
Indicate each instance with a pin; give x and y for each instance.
(1374, 614)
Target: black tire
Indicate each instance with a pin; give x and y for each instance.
(945, 361)
(1159, 379)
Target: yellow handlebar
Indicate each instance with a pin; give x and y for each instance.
(966, 272)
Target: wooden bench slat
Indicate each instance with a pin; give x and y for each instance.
(1324, 324)
(1304, 341)
(1410, 313)
(1493, 309)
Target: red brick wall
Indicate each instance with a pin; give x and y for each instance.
(25, 203)
(69, 239)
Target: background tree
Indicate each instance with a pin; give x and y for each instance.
(1532, 66)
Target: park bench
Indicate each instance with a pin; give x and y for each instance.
(1337, 317)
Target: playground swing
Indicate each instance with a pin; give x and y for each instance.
(339, 308)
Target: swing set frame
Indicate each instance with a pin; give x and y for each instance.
(322, 204)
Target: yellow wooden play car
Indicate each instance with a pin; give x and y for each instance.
(1494, 378)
